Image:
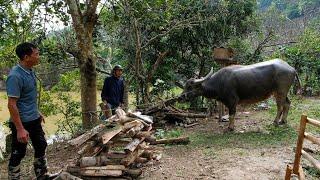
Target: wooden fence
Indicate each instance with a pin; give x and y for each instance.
(297, 169)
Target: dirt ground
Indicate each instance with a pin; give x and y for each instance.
(212, 154)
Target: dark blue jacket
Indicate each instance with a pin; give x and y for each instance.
(113, 89)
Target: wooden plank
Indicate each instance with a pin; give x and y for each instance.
(312, 160)
(312, 138)
(133, 144)
(145, 118)
(313, 122)
(288, 173)
(109, 135)
(134, 130)
(130, 125)
(297, 158)
(88, 145)
(86, 136)
(131, 157)
(109, 170)
(101, 172)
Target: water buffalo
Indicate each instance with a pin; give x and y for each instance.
(238, 84)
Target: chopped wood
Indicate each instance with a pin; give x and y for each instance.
(131, 157)
(134, 130)
(86, 136)
(141, 160)
(88, 145)
(66, 176)
(120, 113)
(130, 125)
(125, 119)
(147, 154)
(116, 155)
(94, 161)
(109, 170)
(143, 134)
(189, 115)
(145, 118)
(135, 173)
(133, 144)
(181, 140)
(110, 134)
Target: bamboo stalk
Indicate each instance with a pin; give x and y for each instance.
(301, 174)
(312, 138)
(311, 159)
(288, 173)
(313, 122)
(297, 158)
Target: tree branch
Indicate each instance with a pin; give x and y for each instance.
(156, 65)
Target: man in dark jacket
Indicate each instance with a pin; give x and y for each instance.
(113, 89)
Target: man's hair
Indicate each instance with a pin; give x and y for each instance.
(24, 49)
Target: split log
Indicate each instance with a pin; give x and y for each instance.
(141, 160)
(88, 145)
(94, 161)
(86, 136)
(181, 140)
(147, 154)
(116, 155)
(66, 176)
(134, 130)
(120, 113)
(125, 119)
(131, 157)
(143, 134)
(135, 173)
(145, 118)
(133, 145)
(110, 134)
(130, 125)
(109, 170)
(189, 115)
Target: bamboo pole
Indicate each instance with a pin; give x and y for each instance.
(311, 159)
(301, 174)
(297, 158)
(313, 122)
(312, 138)
(288, 173)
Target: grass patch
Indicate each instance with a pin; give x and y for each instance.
(173, 133)
(273, 136)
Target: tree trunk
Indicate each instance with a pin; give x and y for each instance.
(88, 94)
(83, 24)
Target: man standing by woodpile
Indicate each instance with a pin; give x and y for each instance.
(112, 92)
(25, 118)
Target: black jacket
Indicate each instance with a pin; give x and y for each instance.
(113, 89)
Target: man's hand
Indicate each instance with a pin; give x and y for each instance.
(22, 135)
(42, 118)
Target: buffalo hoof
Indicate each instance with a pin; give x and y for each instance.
(275, 123)
(229, 130)
(282, 122)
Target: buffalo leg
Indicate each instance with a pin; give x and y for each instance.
(286, 107)
(280, 107)
(232, 113)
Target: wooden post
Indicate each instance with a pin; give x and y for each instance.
(297, 158)
(288, 173)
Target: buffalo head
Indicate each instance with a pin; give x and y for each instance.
(193, 86)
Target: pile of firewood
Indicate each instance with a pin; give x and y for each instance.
(116, 149)
(165, 112)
